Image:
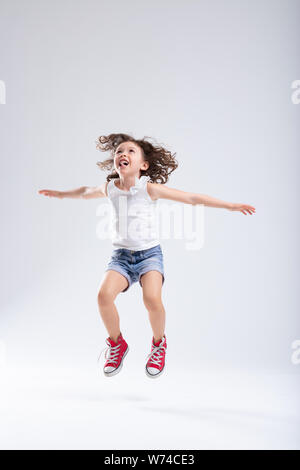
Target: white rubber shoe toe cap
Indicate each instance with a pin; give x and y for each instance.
(152, 370)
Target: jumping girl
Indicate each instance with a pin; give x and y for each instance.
(138, 173)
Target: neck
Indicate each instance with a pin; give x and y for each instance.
(127, 181)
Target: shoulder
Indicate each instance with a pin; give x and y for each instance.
(155, 190)
(161, 191)
(103, 188)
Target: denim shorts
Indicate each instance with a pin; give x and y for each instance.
(132, 264)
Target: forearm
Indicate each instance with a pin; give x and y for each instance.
(210, 201)
(73, 193)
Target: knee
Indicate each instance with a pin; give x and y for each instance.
(105, 297)
(152, 302)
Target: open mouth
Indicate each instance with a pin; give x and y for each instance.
(123, 163)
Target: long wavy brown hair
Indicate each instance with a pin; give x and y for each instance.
(161, 161)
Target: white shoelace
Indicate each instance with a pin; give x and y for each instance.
(113, 352)
(157, 350)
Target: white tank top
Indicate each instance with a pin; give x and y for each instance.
(134, 224)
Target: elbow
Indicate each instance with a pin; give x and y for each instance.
(192, 199)
(83, 192)
(195, 199)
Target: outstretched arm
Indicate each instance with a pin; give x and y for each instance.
(160, 191)
(84, 192)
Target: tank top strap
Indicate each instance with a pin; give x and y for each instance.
(142, 184)
(143, 181)
(111, 188)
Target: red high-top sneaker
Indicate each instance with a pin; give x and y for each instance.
(117, 351)
(156, 362)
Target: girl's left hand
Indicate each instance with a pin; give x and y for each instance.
(244, 208)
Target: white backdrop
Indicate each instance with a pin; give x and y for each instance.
(210, 80)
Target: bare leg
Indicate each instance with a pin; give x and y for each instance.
(152, 285)
(112, 284)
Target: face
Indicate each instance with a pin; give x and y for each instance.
(128, 159)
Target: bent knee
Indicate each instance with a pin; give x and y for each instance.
(105, 297)
(152, 302)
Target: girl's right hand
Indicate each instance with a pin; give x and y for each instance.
(50, 193)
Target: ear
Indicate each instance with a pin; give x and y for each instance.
(145, 166)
